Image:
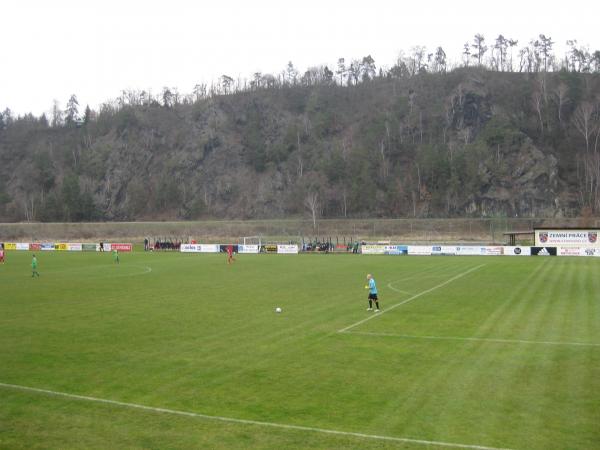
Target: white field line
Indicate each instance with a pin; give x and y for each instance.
(414, 297)
(246, 421)
(456, 338)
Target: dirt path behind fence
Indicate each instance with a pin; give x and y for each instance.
(396, 230)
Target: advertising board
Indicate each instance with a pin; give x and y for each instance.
(287, 248)
(88, 247)
(61, 247)
(121, 247)
(189, 248)
(419, 250)
(567, 237)
(372, 249)
(252, 248)
(46, 247)
(74, 247)
(543, 251)
(10, 246)
(443, 250)
(22, 246)
(569, 251)
(492, 250)
(209, 248)
(35, 247)
(396, 250)
(469, 250)
(516, 251)
(588, 251)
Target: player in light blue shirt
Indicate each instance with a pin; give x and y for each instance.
(372, 293)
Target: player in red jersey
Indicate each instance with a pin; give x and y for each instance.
(230, 257)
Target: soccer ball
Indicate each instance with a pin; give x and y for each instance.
(278, 310)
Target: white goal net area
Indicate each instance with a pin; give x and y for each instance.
(251, 240)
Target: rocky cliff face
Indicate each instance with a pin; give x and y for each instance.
(465, 143)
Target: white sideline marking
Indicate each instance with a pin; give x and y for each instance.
(400, 291)
(410, 299)
(247, 421)
(456, 338)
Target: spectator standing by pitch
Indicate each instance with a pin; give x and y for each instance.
(34, 265)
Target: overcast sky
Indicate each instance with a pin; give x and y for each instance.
(52, 49)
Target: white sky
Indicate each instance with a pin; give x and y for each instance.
(52, 49)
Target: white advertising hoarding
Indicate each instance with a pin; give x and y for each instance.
(287, 248)
(22, 246)
(74, 247)
(419, 250)
(200, 248)
(248, 248)
(372, 249)
(567, 238)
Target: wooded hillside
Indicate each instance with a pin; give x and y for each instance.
(405, 142)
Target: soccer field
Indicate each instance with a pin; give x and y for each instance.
(173, 351)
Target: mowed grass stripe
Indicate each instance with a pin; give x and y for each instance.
(248, 421)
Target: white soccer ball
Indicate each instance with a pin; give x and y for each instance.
(278, 310)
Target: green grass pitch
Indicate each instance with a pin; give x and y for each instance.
(504, 356)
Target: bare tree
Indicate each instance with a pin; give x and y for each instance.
(311, 202)
(545, 45)
(479, 47)
(466, 53)
(560, 93)
(583, 121)
(341, 70)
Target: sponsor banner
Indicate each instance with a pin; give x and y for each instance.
(568, 251)
(62, 247)
(200, 248)
(46, 247)
(35, 247)
(10, 246)
(419, 250)
(372, 249)
(543, 251)
(567, 238)
(516, 251)
(22, 246)
(209, 248)
(105, 246)
(121, 247)
(469, 250)
(269, 248)
(88, 247)
(74, 247)
(589, 251)
(396, 249)
(492, 250)
(443, 250)
(248, 248)
(287, 248)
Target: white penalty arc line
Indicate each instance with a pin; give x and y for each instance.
(247, 421)
(414, 297)
(457, 338)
